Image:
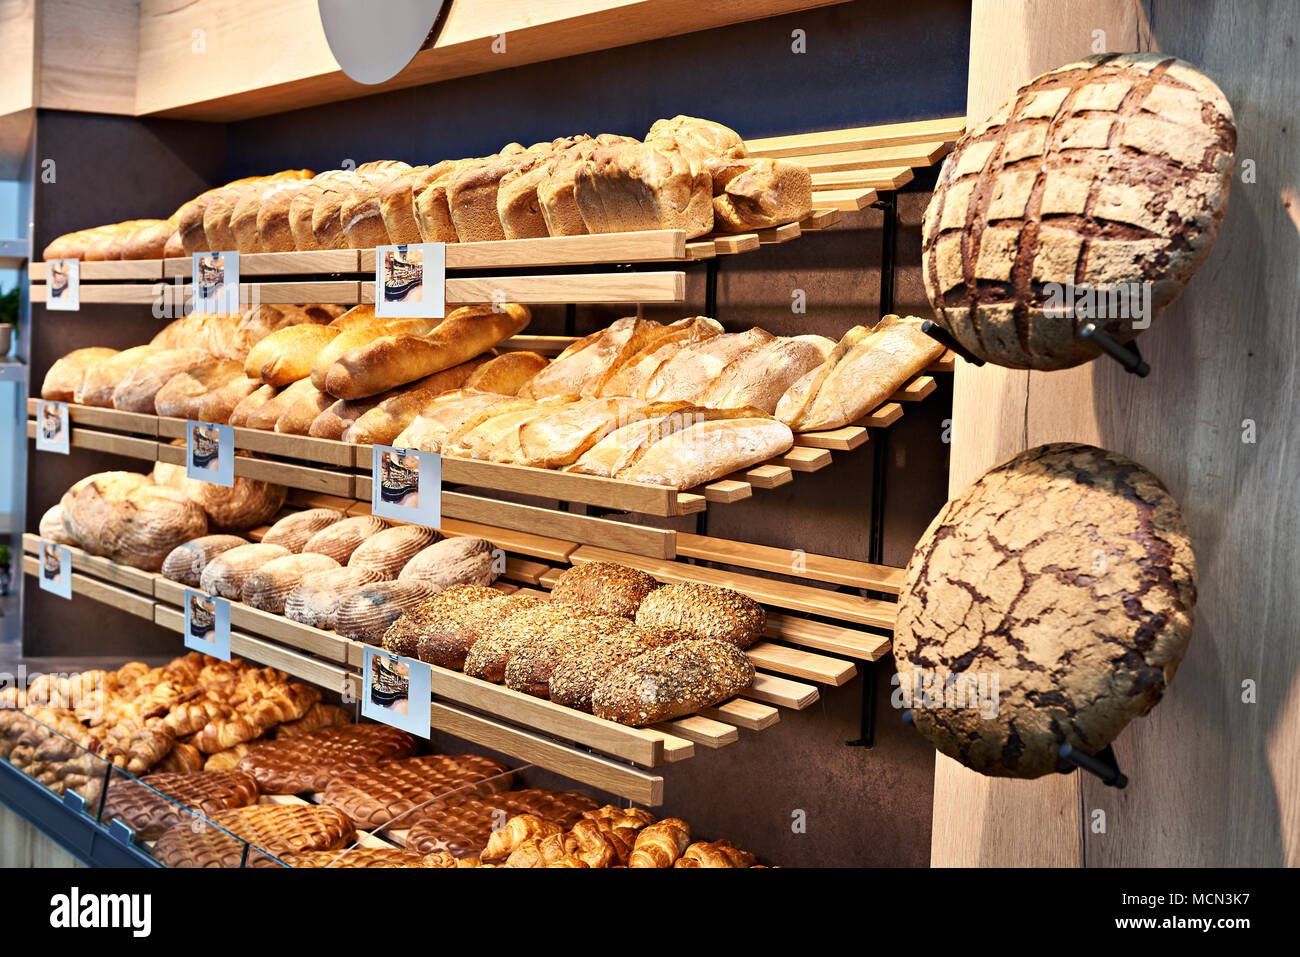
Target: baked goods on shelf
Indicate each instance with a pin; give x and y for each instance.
(453, 561)
(364, 613)
(244, 504)
(340, 539)
(315, 600)
(129, 518)
(375, 796)
(247, 835)
(694, 610)
(145, 807)
(296, 529)
(269, 586)
(462, 824)
(309, 762)
(225, 574)
(672, 680)
(185, 563)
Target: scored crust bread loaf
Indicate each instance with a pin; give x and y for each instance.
(395, 360)
(556, 438)
(287, 355)
(671, 681)
(518, 207)
(760, 194)
(365, 613)
(694, 610)
(863, 370)
(388, 551)
(341, 539)
(269, 586)
(633, 374)
(638, 186)
(707, 143)
(315, 600)
(586, 365)
(447, 415)
(295, 531)
(138, 388)
(63, 380)
(757, 378)
(226, 573)
(182, 396)
(605, 587)
(707, 450)
(452, 561)
(101, 378)
(378, 421)
(185, 563)
(129, 518)
(688, 374)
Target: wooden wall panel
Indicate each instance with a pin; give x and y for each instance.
(87, 58)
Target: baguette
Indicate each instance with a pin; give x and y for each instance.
(287, 355)
(505, 374)
(101, 379)
(689, 374)
(379, 420)
(220, 403)
(624, 447)
(759, 377)
(558, 438)
(489, 438)
(139, 388)
(184, 392)
(269, 586)
(251, 403)
(708, 450)
(633, 375)
(340, 415)
(395, 360)
(264, 414)
(442, 417)
(299, 416)
(295, 530)
(359, 334)
(64, 379)
(586, 365)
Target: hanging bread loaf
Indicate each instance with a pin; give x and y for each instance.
(295, 530)
(694, 610)
(452, 561)
(185, 563)
(183, 395)
(101, 378)
(225, 574)
(341, 539)
(63, 380)
(51, 527)
(388, 551)
(287, 355)
(245, 504)
(136, 391)
(269, 586)
(381, 419)
(129, 518)
(605, 588)
(364, 613)
(390, 361)
(671, 681)
(315, 600)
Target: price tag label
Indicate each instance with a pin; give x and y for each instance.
(63, 284)
(207, 624)
(56, 569)
(216, 282)
(411, 281)
(52, 427)
(210, 453)
(406, 485)
(395, 691)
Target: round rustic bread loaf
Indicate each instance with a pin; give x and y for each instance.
(51, 527)
(127, 517)
(389, 551)
(315, 601)
(1066, 574)
(341, 539)
(606, 587)
(185, 563)
(244, 505)
(1110, 171)
(269, 586)
(693, 610)
(365, 613)
(452, 561)
(295, 530)
(225, 575)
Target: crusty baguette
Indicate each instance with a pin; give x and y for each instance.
(558, 438)
(633, 375)
(359, 334)
(182, 395)
(250, 403)
(218, 405)
(391, 361)
(390, 413)
(336, 418)
(444, 415)
(759, 377)
(298, 417)
(506, 374)
(287, 355)
(265, 414)
(709, 450)
(97, 385)
(139, 387)
(496, 436)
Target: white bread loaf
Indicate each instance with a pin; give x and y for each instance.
(638, 186)
(505, 374)
(225, 574)
(341, 539)
(269, 586)
(185, 562)
(452, 561)
(624, 447)
(364, 613)
(129, 518)
(555, 190)
(689, 374)
(287, 355)
(219, 404)
(64, 378)
(558, 438)
(586, 365)
(101, 378)
(493, 437)
(389, 551)
(266, 413)
(761, 194)
(472, 196)
(634, 374)
(430, 205)
(709, 450)
(397, 199)
(315, 600)
(51, 527)
(136, 391)
(295, 530)
(328, 223)
(245, 504)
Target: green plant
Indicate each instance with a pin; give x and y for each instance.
(4, 556)
(9, 307)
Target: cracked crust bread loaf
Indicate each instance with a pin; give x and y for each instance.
(269, 586)
(864, 369)
(64, 379)
(294, 531)
(1109, 173)
(101, 378)
(452, 561)
(243, 505)
(376, 796)
(439, 620)
(127, 517)
(757, 378)
(760, 194)
(1066, 573)
(341, 539)
(225, 574)
(518, 207)
(315, 600)
(183, 394)
(366, 612)
(557, 438)
(308, 763)
(482, 436)
(694, 610)
(185, 562)
(378, 420)
(555, 191)
(638, 186)
(302, 205)
(707, 450)
(605, 588)
(136, 391)
(391, 361)
(671, 681)
(389, 550)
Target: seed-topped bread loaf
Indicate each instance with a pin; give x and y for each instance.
(704, 611)
(576, 674)
(533, 661)
(672, 680)
(605, 587)
(452, 630)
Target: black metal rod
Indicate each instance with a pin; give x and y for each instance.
(946, 339)
(1102, 765)
(570, 319)
(1126, 355)
(711, 288)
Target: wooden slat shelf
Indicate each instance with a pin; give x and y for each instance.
(823, 568)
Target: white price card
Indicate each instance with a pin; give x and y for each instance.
(411, 281)
(395, 691)
(63, 284)
(406, 485)
(210, 453)
(207, 624)
(52, 426)
(216, 282)
(56, 569)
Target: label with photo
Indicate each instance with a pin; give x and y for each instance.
(52, 427)
(63, 284)
(406, 485)
(56, 569)
(396, 691)
(207, 624)
(216, 282)
(410, 281)
(210, 453)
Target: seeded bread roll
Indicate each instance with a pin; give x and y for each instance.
(294, 531)
(183, 395)
(315, 600)
(225, 574)
(532, 662)
(488, 658)
(341, 539)
(51, 527)
(136, 391)
(269, 586)
(704, 611)
(450, 631)
(185, 563)
(434, 618)
(605, 588)
(671, 681)
(365, 613)
(452, 561)
(389, 551)
(578, 672)
(64, 378)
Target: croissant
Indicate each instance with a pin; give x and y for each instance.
(539, 852)
(594, 847)
(571, 860)
(520, 828)
(288, 703)
(182, 757)
(659, 845)
(716, 854)
(224, 733)
(193, 716)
